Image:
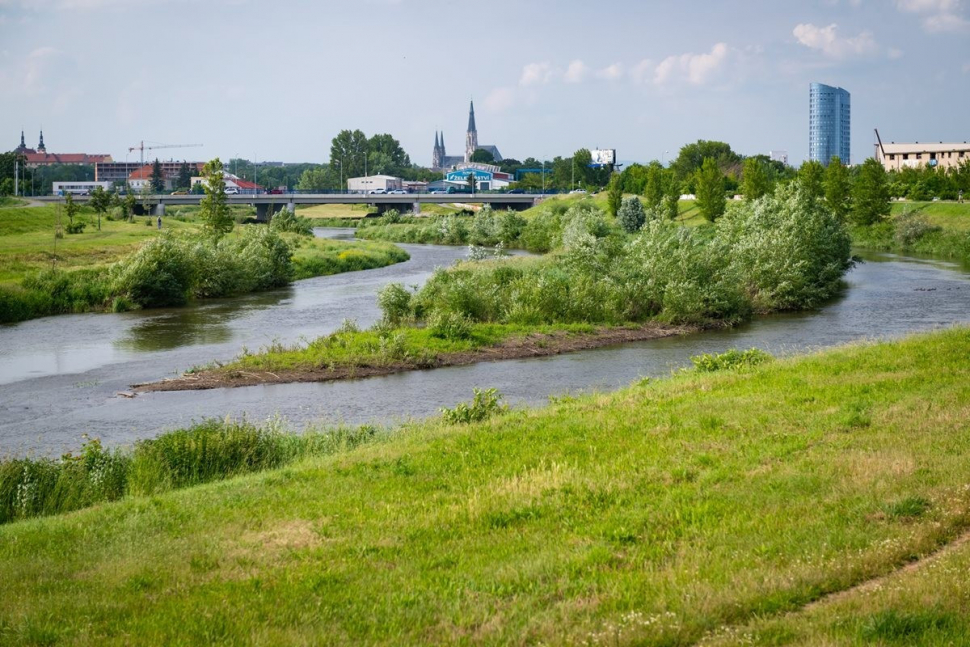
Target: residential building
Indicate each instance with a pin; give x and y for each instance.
(141, 179)
(78, 187)
(118, 171)
(895, 156)
(829, 121)
(778, 156)
(234, 184)
(373, 182)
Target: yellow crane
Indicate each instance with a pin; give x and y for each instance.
(142, 148)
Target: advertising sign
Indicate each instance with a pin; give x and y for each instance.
(603, 157)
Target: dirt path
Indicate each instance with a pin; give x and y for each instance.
(868, 585)
(532, 345)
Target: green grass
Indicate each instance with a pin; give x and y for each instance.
(321, 256)
(417, 347)
(940, 229)
(949, 215)
(650, 516)
(27, 241)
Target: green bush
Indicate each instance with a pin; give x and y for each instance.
(733, 359)
(484, 405)
(449, 325)
(161, 273)
(395, 302)
(630, 215)
(285, 221)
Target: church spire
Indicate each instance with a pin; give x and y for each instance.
(471, 117)
(23, 144)
(40, 146)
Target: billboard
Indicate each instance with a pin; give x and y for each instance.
(603, 157)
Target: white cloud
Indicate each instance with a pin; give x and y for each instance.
(640, 72)
(611, 72)
(827, 40)
(500, 99)
(939, 15)
(696, 68)
(535, 74)
(894, 53)
(576, 72)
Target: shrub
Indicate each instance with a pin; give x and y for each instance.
(449, 325)
(287, 221)
(733, 359)
(395, 303)
(484, 405)
(485, 229)
(630, 215)
(909, 228)
(161, 273)
(75, 227)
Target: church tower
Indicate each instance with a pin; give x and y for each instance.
(438, 152)
(23, 144)
(40, 147)
(471, 137)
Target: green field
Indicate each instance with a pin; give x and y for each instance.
(949, 215)
(705, 506)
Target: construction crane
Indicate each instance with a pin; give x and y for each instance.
(142, 148)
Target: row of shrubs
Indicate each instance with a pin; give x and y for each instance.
(782, 252)
(209, 451)
(165, 271)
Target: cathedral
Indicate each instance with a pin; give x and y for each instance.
(23, 150)
(440, 160)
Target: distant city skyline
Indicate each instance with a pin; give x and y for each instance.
(99, 76)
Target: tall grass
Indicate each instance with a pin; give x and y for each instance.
(209, 451)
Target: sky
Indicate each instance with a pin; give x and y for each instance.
(277, 80)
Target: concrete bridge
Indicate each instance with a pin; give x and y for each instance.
(267, 204)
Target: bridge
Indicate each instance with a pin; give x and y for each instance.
(267, 204)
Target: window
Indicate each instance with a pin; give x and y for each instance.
(892, 156)
(905, 156)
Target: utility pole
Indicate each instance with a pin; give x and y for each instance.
(16, 175)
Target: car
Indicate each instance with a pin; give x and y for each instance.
(515, 191)
(180, 192)
(397, 192)
(232, 190)
(578, 191)
(453, 189)
(377, 192)
(275, 192)
(437, 192)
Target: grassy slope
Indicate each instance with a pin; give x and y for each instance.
(949, 215)
(27, 240)
(322, 256)
(651, 515)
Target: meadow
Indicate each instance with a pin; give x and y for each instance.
(725, 503)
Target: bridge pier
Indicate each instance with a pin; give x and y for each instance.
(159, 209)
(416, 208)
(291, 206)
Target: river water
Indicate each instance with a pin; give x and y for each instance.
(60, 376)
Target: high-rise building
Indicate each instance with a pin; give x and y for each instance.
(829, 119)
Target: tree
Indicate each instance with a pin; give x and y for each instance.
(654, 190)
(6, 187)
(317, 179)
(614, 195)
(870, 194)
(185, 176)
(580, 166)
(710, 190)
(631, 215)
(128, 203)
(483, 156)
(158, 180)
(811, 178)
(214, 207)
(691, 157)
(392, 158)
(100, 202)
(71, 208)
(756, 182)
(838, 188)
(349, 148)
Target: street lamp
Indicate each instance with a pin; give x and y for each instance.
(663, 158)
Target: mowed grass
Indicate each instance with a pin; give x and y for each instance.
(653, 515)
(27, 241)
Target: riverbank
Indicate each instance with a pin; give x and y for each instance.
(940, 229)
(665, 513)
(42, 274)
(358, 354)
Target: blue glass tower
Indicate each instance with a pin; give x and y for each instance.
(829, 117)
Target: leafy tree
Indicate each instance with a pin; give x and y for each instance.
(158, 180)
(561, 175)
(100, 202)
(214, 207)
(631, 214)
(654, 190)
(870, 194)
(391, 157)
(691, 157)
(185, 176)
(128, 203)
(838, 188)
(811, 177)
(483, 156)
(755, 178)
(581, 172)
(317, 179)
(634, 179)
(71, 209)
(379, 163)
(710, 190)
(511, 165)
(6, 187)
(614, 195)
(349, 148)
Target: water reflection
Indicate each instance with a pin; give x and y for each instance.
(207, 323)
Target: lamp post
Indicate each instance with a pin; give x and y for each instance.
(543, 175)
(663, 158)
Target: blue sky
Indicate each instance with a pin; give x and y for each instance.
(277, 80)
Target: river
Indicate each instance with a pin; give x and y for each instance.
(60, 376)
